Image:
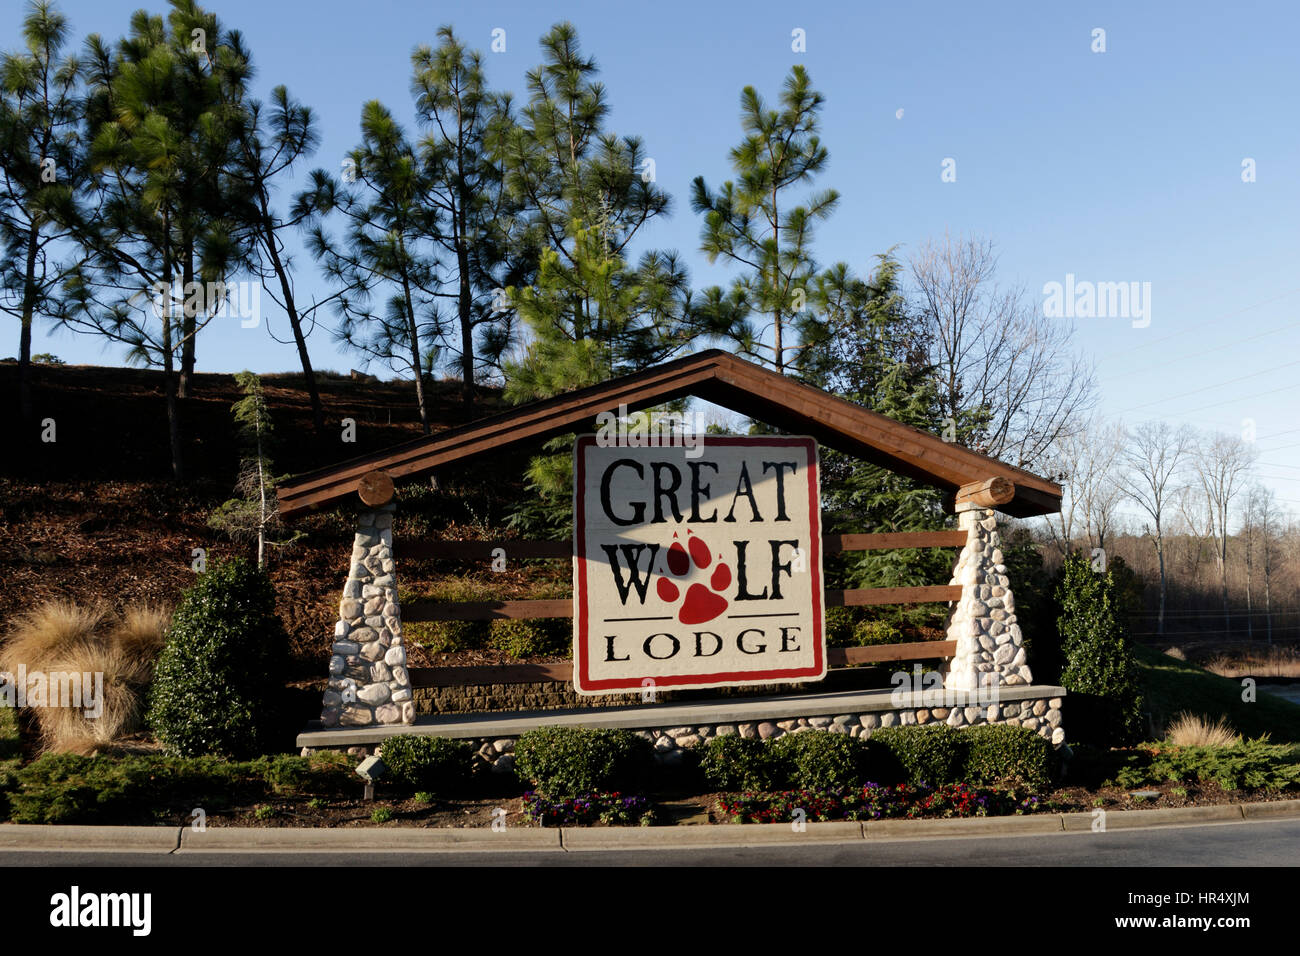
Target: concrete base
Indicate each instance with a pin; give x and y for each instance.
(682, 714)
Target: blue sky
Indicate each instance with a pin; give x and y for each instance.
(1117, 166)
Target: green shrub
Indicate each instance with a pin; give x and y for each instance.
(65, 788)
(265, 812)
(1100, 667)
(839, 626)
(447, 637)
(868, 633)
(568, 761)
(324, 772)
(381, 815)
(1005, 752)
(430, 763)
(221, 674)
(928, 753)
(819, 760)
(1248, 765)
(522, 639)
(738, 763)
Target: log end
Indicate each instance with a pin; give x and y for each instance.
(375, 488)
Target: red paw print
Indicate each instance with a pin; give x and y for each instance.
(701, 604)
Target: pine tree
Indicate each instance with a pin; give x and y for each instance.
(162, 131)
(477, 214)
(385, 265)
(253, 516)
(41, 153)
(751, 222)
(586, 194)
(270, 143)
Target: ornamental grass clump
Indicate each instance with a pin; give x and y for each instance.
(103, 658)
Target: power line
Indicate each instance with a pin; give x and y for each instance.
(1200, 353)
(1183, 332)
(1206, 388)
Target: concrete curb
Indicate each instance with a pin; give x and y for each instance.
(36, 836)
(403, 839)
(430, 839)
(971, 827)
(1172, 816)
(721, 835)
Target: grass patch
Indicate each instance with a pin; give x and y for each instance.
(1171, 687)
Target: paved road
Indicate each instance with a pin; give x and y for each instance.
(1265, 843)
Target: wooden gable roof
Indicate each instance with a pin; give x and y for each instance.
(717, 377)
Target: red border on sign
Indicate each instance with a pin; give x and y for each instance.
(817, 670)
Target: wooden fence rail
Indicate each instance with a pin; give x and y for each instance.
(563, 671)
(518, 550)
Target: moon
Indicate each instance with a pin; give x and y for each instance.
(898, 114)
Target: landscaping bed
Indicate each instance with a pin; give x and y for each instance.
(571, 777)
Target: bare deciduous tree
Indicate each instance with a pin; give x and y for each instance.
(1258, 515)
(1153, 454)
(1007, 375)
(1222, 464)
(1087, 462)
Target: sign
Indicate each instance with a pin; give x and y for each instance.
(696, 566)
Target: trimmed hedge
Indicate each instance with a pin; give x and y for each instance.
(733, 762)
(435, 764)
(935, 754)
(998, 752)
(569, 761)
(820, 760)
(929, 753)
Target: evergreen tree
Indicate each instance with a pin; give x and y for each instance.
(254, 515)
(41, 155)
(1100, 667)
(271, 142)
(586, 194)
(385, 266)
(751, 222)
(870, 350)
(162, 127)
(477, 215)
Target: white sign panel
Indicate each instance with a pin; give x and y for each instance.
(697, 566)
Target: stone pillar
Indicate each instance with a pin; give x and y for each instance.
(369, 683)
(984, 621)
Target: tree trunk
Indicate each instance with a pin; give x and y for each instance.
(466, 325)
(295, 322)
(1268, 602)
(1223, 580)
(169, 364)
(25, 336)
(1250, 628)
(415, 355)
(1160, 621)
(187, 326)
